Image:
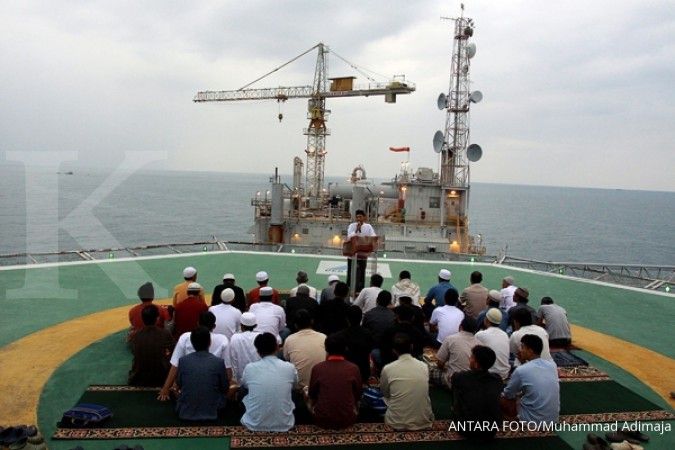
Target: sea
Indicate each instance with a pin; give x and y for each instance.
(42, 210)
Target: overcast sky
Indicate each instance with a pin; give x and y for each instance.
(576, 93)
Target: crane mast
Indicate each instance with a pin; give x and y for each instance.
(316, 132)
(317, 114)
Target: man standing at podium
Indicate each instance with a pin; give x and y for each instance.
(358, 229)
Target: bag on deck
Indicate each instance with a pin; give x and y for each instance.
(85, 415)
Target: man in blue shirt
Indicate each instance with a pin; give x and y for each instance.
(537, 380)
(438, 291)
(270, 381)
(202, 380)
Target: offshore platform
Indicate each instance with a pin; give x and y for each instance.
(421, 211)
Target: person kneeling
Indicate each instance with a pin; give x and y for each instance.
(334, 387)
(202, 380)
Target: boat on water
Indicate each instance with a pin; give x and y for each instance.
(63, 323)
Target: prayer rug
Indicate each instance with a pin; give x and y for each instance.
(137, 414)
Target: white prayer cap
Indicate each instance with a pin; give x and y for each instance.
(444, 274)
(266, 291)
(332, 278)
(248, 319)
(194, 287)
(227, 295)
(261, 276)
(228, 276)
(495, 295)
(189, 272)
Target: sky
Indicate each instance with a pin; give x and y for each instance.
(576, 93)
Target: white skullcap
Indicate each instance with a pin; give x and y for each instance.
(228, 276)
(227, 295)
(332, 278)
(248, 319)
(189, 272)
(261, 276)
(495, 296)
(266, 291)
(509, 280)
(194, 287)
(444, 274)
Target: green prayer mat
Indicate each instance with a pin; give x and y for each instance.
(140, 408)
(600, 397)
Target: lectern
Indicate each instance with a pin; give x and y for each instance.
(358, 249)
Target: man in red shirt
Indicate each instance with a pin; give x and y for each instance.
(147, 294)
(334, 388)
(186, 315)
(253, 295)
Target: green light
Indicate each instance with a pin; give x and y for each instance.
(205, 249)
(111, 255)
(292, 250)
(561, 271)
(473, 259)
(384, 255)
(667, 288)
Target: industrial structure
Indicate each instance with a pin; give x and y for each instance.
(417, 211)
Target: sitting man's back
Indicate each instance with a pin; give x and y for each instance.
(270, 381)
(335, 387)
(151, 347)
(476, 394)
(202, 380)
(537, 380)
(405, 387)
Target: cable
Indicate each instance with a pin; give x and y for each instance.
(281, 66)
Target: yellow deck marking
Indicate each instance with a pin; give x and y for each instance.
(28, 363)
(652, 368)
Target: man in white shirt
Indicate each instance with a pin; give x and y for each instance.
(302, 278)
(227, 316)
(241, 350)
(522, 323)
(495, 338)
(271, 318)
(218, 348)
(508, 289)
(367, 298)
(446, 319)
(358, 229)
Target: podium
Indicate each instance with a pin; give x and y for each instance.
(358, 249)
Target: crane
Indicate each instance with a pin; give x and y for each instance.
(317, 113)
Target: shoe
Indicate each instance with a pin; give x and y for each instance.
(635, 434)
(625, 445)
(620, 436)
(597, 441)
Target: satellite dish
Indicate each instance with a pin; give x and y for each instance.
(471, 50)
(442, 102)
(438, 141)
(476, 96)
(474, 152)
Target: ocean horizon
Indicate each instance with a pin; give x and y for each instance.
(90, 209)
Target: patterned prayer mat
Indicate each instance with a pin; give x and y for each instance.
(139, 415)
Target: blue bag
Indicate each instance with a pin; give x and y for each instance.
(85, 415)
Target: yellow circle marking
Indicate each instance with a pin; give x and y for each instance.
(28, 363)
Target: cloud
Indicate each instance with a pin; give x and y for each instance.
(576, 93)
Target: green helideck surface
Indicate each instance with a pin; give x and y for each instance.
(41, 296)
